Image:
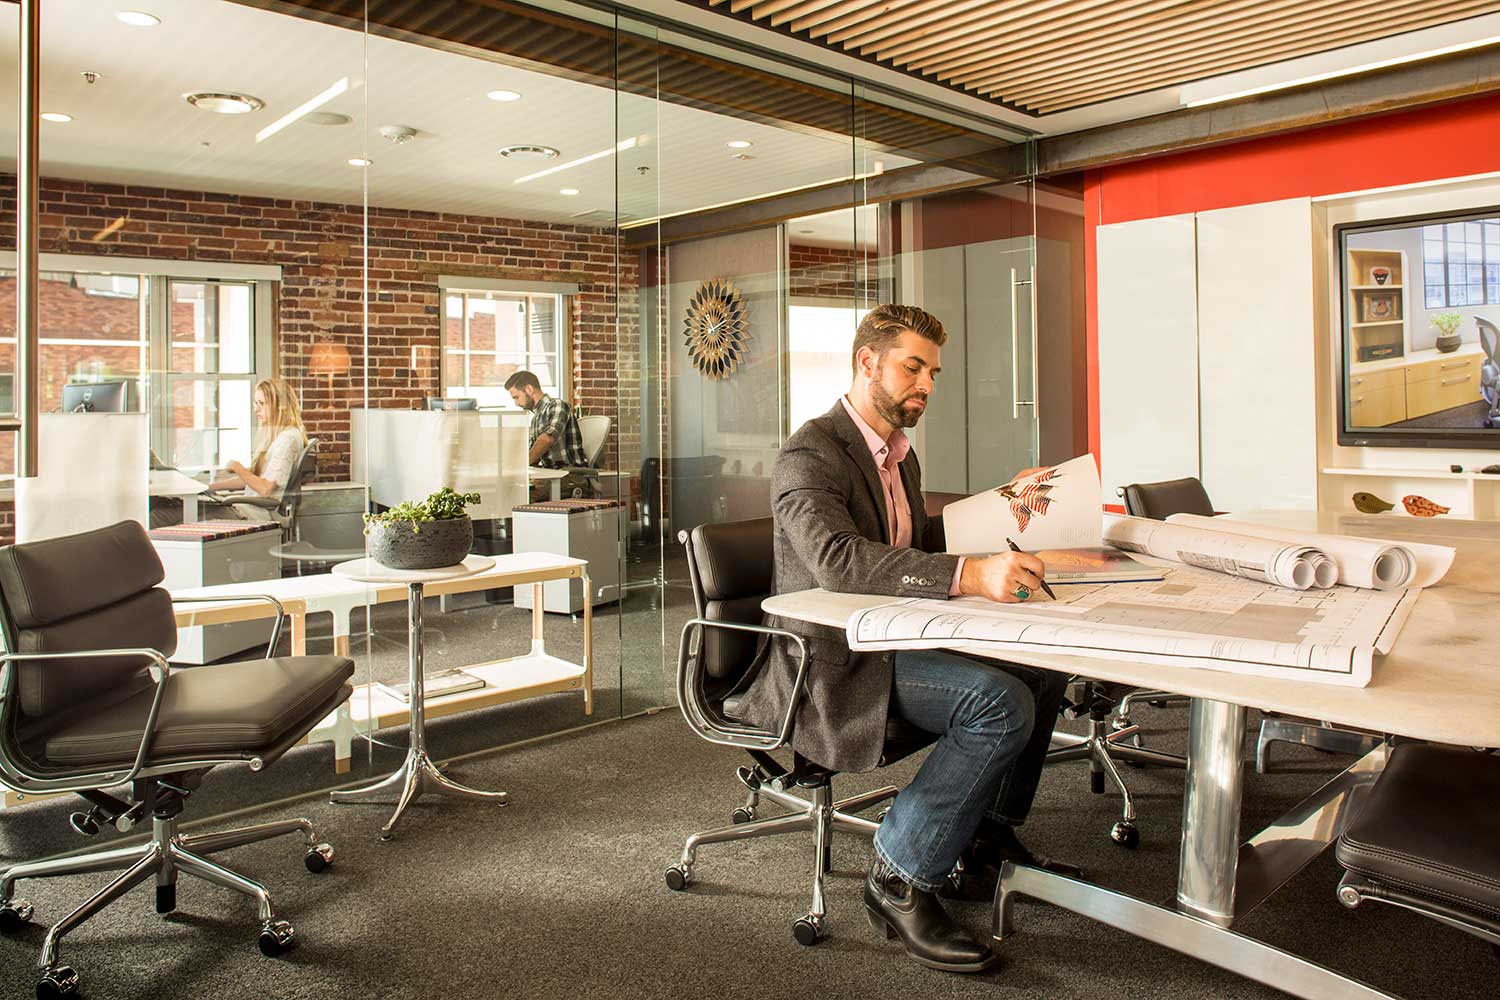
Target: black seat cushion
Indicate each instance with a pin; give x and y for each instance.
(224, 708)
(1430, 826)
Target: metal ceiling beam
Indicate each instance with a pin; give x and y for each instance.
(1469, 74)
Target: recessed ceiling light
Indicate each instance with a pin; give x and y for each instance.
(568, 191)
(325, 118)
(528, 152)
(138, 18)
(359, 161)
(503, 95)
(740, 144)
(56, 116)
(225, 104)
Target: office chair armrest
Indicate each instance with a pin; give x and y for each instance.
(275, 629)
(720, 730)
(248, 499)
(161, 672)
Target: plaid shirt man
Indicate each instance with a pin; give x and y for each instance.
(555, 418)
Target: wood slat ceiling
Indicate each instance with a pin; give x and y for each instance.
(1044, 56)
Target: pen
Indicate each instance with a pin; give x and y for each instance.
(1045, 589)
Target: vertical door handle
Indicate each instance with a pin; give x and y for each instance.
(1016, 402)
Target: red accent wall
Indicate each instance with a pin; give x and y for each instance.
(1452, 140)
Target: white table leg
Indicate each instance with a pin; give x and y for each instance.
(190, 508)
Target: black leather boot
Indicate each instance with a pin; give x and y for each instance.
(899, 909)
(978, 872)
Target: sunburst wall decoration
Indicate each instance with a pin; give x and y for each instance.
(715, 329)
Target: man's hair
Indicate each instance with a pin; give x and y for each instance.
(883, 326)
(523, 380)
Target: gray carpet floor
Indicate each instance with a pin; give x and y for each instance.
(560, 894)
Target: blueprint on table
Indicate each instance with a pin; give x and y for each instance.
(1194, 618)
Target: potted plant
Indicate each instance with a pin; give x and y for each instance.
(435, 532)
(1446, 324)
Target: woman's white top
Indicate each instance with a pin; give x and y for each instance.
(281, 458)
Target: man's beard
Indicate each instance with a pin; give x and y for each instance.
(891, 409)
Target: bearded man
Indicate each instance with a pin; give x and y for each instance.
(847, 501)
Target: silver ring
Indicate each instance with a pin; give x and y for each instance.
(1023, 592)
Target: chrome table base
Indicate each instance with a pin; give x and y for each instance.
(1218, 879)
(417, 774)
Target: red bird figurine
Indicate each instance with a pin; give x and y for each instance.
(1421, 506)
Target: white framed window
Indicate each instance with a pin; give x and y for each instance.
(183, 342)
(490, 334)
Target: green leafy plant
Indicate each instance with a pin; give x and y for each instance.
(1447, 323)
(444, 505)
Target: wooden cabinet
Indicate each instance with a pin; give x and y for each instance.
(1377, 407)
(1390, 378)
(1441, 385)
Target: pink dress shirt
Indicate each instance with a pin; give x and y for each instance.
(888, 454)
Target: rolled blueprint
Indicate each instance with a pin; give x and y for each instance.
(1362, 562)
(1270, 561)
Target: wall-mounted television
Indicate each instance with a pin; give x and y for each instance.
(1420, 305)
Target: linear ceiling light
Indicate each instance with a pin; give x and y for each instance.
(1188, 94)
(618, 147)
(305, 108)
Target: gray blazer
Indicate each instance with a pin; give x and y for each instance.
(832, 532)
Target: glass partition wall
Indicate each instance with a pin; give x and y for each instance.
(392, 209)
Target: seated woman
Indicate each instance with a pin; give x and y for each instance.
(280, 438)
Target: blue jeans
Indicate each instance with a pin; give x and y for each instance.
(987, 760)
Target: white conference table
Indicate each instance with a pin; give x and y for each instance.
(1440, 683)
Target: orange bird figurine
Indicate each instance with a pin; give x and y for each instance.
(1421, 506)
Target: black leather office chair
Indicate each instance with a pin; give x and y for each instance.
(730, 567)
(1425, 839)
(88, 702)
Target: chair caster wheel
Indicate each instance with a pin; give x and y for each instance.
(57, 983)
(84, 824)
(742, 815)
(277, 938)
(318, 858)
(679, 877)
(15, 915)
(808, 930)
(1125, 834)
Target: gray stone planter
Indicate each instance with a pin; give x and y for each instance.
(435, 543)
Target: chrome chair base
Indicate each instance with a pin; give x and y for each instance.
(1277, 729)
(165, 856)
(1159, 699)
(821, 815)
(1102, 748)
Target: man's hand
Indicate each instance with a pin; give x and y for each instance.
(997, 577)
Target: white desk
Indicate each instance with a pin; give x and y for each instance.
(171, 483)
(508, 679)
(1439, 683)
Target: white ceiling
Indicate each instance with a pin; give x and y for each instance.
(133, 126)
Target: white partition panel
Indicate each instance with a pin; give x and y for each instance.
(91, 472)
(1256, 356)
(409, 454)
(1148, 352)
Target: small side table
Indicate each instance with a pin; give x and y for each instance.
(417, 774)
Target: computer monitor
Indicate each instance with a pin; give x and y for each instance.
(463, 403)
(113, 396)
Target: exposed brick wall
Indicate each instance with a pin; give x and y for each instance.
(321, 299)
(829, 272)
